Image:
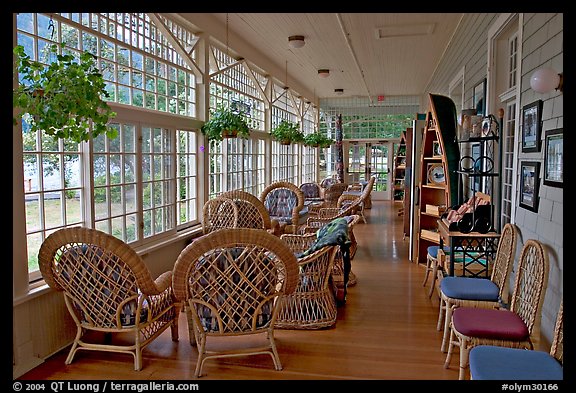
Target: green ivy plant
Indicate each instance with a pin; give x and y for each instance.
(65, 98)
(287, 132)
(317, 139)
(222, 120)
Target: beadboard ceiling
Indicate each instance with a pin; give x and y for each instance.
(368, 54)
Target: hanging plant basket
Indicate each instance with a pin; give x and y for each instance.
(64, 99)
(229, 133)
(287, 132)
(285, 142)
(317, 139)
(225, 123)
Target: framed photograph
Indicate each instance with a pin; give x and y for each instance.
(436, 175)
(436, 149)
(479, 99)
(529, 184)
(531, 126)
(554, 158)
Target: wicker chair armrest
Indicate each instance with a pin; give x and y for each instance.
(328, 212)
(163, 282)
(346, 197)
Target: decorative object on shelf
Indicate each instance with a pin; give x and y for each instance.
(479, 99)
(225, 123)
(545, 80)
(65, 98)
(529, 185)
(554, 158)
(287, 132)
(436, 174)
(317, 139)
(436, 149)
(490, 126)
(531, 126)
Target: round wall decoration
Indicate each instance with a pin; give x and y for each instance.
(436, 174)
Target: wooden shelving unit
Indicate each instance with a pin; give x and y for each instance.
(438, 181)
(399, 174)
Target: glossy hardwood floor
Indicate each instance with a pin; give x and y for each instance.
(386, 330)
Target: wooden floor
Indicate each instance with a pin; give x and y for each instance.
(386, 330)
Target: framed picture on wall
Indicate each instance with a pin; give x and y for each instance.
(531, 127)
(554, 158)
(529, 184)
(479, 98)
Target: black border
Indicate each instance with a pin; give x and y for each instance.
(538, 104)
(548, 134)
(536, 197)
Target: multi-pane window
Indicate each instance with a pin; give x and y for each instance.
(52, 188)
(186, 177)
(508, 164)
(512, 60)
(115, 169)
(128, 186)
(285, 158)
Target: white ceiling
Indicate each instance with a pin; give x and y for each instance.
(368, 54)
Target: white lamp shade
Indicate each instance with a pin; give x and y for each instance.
(296, 41)
(544, 80)
(324, 73)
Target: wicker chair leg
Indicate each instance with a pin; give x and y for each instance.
(74, 348)
(464, 351)
(274, 353)
(138, 358)
(450, 348)
(427, 272)
(434, 264)
(447, 329)
(441, 311)
(201, 357)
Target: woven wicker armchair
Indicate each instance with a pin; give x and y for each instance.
(312, 192)
(330, 199)
(359, 199)
(251, 212)
(458, 291)
(108, 289)
(285, 204)
(218, 213)
(312, 304)
(518, 327)
(232, 281)
(341, 276)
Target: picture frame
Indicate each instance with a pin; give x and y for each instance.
(435, 174)
(529, 185)
(479, 98)
(436, 149)
(531, 126)
(554, 158)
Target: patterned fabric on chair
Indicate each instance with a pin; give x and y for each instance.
(311, 192)
(285, 204)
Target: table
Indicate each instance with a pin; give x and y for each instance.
(476, 250)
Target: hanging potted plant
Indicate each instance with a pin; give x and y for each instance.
(317, 139)
(225, 123)
(287, 132)
(65, 98)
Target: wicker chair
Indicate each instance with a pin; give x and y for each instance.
(518, 327)
(233, 280)
(218, 213)
(458, 291)
(251, 212)
(342, 275)
(331, 195)
(285, 204)
(312, 192)
(108, 289)
(312, 305)
(490, 362)
(359, 200)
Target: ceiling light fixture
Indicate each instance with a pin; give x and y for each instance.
(545, 80)
(296, 41)
(324, 73)
(339, 91)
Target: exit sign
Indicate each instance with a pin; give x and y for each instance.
(381, 98)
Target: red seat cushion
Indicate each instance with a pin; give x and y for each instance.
(490, 323)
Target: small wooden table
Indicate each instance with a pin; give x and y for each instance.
(474, 248)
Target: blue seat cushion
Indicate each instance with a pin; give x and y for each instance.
(500, 363)
(433, 251)
(469, 288)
